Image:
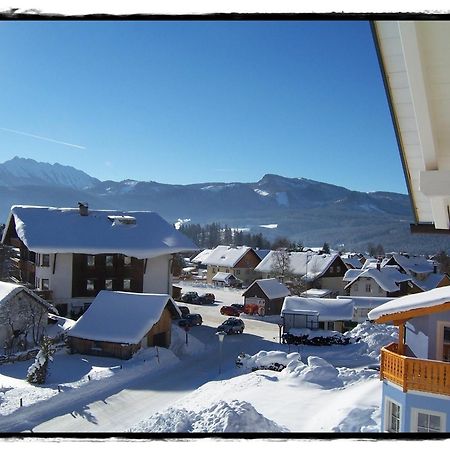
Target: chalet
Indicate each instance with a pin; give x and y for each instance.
(224, 279)
(316, 313)
(417, 266)
(68, 255)
(382, 282)
(238, 261)
(268, 293)
(118, 324)
(23, 316)
(315, 271)
(415, 371)
(432, 281)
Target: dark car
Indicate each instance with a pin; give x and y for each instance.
(232, 325)
(239, 307)
(205, 299)
(184, 311)
(229, 310)
(191, 320)
(189, 297)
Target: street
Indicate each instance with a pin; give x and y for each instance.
(149, 394)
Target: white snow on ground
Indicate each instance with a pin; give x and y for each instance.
(91, 373)
(321, 389)
(270, 226)
(221, 417)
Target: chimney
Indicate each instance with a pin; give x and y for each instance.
(378, 264)
(83, 208)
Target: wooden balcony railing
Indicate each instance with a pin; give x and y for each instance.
(414, 374)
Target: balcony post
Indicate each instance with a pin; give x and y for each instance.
(401, 337)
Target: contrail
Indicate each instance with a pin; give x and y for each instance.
(43, 138)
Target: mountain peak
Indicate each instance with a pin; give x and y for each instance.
(20, 171)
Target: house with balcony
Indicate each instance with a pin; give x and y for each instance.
(379, 281)
(415, 371)
(315, 271)
(239, 261)
(69, 255)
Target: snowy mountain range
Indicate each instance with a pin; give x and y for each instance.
(304, 210)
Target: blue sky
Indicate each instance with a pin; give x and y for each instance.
(197, 101)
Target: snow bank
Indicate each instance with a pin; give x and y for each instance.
(372, 337)
(317, 371)
(264, 359)
(313, 333)
(220, 417)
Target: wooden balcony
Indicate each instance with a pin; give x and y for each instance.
(414, 374)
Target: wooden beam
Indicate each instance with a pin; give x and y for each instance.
(401, 338)
(402, 316)
(426, 228)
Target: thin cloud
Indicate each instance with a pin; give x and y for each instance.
(43, 138)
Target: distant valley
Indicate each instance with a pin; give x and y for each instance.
(300, 209)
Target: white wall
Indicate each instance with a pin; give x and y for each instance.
(60, 282)
(358, 288)
(156, 276)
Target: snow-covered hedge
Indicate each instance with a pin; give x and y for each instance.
(305, 336)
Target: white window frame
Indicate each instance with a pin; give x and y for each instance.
(415, 418)
(440, 324)
(387, 414)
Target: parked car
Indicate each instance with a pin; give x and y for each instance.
(184, 311)
(191, 320)
(205, 299)
(229, 310)
(189, 297)
(232, 325)
(239, 307)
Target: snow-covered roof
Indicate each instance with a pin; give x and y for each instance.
(271, 287)
(328, 309)
(435, 297)
(9, 290)
(351, 274)
(202, 256)
(226, 256)
(121, 317)
(416, 264)
(222, 276)
(370, 263)
(316, 293)
(387, 278)
(307, 265)
(354, 262)
(64, 230)
(430, 282)
(366, 302)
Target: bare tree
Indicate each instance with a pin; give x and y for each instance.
(281, 265)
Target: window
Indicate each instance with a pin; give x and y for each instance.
(109, 260)
(331, 269)
(393, 425)
(428, 423)
(238, 272)
(368, 287)
(45, 284)
(355, 287)
(90, 285)
(338, 269)
(45, 260)
(126, 284)
(127, 260)
(109, 285)
(91, 260)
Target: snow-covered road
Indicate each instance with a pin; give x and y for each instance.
(149, 394)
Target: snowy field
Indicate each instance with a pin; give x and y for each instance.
(322, 389)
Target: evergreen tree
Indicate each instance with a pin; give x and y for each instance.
(37, 372)
(326, 248)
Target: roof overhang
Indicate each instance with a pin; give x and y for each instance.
(414, 57)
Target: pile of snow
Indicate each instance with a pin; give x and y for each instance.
(220, 417)
(373, 337)
(265, 359)
(314, 333)
(317, 371)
